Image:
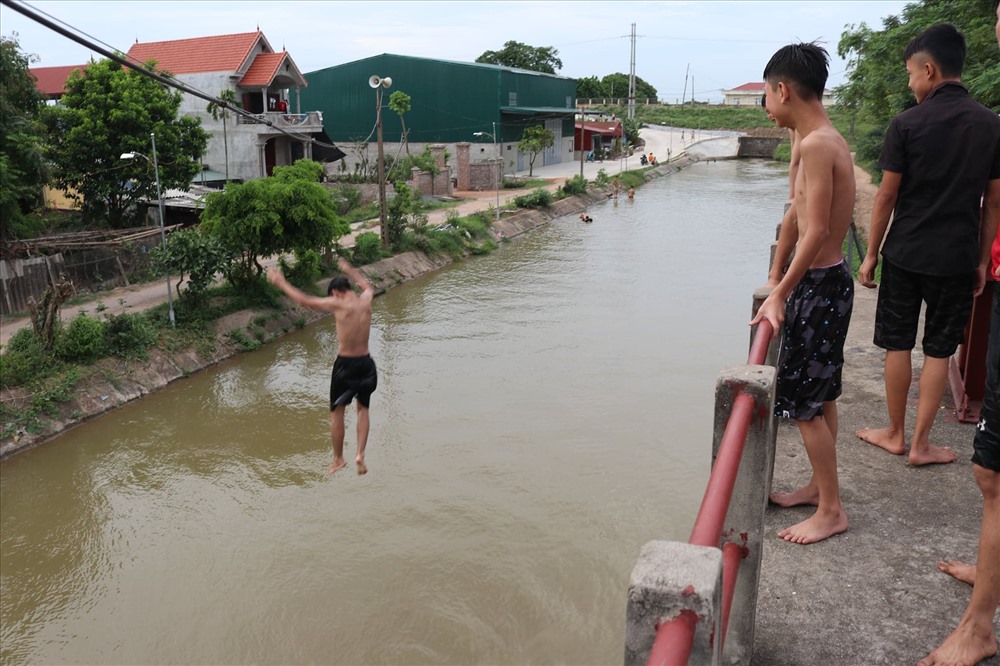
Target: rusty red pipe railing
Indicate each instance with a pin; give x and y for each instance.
(674, 638)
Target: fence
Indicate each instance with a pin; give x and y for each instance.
(696, 601)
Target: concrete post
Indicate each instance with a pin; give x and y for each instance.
(462, 160)
(744, 523)
(669, 578)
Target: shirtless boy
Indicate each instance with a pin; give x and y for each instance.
(813, 294)
(354, 374)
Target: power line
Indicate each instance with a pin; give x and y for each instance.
(152, 72)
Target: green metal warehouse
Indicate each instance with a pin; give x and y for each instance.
(450, 101)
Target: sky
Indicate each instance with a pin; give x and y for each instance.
(709, 45)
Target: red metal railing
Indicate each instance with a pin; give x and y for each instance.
(672, 645)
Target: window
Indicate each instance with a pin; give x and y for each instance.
(512, 99)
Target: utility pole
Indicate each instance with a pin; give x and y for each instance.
(583, 135)
(631, 80)
(684, 94)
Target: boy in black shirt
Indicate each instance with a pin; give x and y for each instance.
(937, 160)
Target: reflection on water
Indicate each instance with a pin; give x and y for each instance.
(542, 412)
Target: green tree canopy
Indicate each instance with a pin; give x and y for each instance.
(22, 167)
(290, 211)
(590, 87)
(534, 140)
(522, 56)
(617, 86)
(876, 86)
(399, 102)
(108, 110)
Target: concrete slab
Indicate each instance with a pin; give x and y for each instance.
(872, 595)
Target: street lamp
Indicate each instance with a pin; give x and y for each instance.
(378, 83)
(163, 235)
(499, 163)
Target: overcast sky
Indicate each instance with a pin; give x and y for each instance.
(726, 44)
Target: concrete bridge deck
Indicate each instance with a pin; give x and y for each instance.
(872, 595)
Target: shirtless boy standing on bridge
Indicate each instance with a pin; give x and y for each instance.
(813, 295)
(354, 372)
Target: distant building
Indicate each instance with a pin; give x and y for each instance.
(450, 102)
(51, 81)
(751, 94)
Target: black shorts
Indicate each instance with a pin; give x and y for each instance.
(949, 304)
(817, 315)
(986, 445)
(353, 377)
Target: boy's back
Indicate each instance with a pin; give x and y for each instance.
(826, 164)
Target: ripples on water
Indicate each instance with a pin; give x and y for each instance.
(542, 412)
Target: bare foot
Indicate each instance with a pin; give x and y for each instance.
(933, 455)
(808, 494)
(338, 464)
(965, 647)
(884, 439)
(815, 528)
(362, 468)
(959, 570)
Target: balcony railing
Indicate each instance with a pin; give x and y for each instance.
(310, 119)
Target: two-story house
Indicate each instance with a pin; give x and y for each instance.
(263, 82)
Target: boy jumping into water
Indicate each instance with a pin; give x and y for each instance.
(813, 295)
(354, 372)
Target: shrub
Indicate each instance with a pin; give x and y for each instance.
(575, 185)
(82, 341)
(602, 179)
(367, 248)
(24, 359)
(539, 198)
(129, 335)
(346, 197)
(306, 271)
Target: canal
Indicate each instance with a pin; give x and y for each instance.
(542, 412)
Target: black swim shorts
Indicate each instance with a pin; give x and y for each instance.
(817, 315)
(353, 377)
(986, 445)
(900, 293)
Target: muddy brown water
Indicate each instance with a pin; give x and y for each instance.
(542, 412)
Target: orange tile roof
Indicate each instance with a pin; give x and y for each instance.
(261, 72)
(221, 53)
(51, 81)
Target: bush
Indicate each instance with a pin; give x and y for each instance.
(539, 198)
(347, 198)
(367, 248)
(24, 359)
(129, 335)
(82, 341)
(306, 271)
(575, 185)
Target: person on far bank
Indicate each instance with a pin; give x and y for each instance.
(812, 293)
(938, 160)
(973, 639)
(354, 374)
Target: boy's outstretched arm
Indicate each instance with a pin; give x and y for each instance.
(277, 278)
(355, 275)
(989, 226)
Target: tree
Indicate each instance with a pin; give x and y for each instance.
(876, 89)
(22, 167)
(108, 110)
(617, 86)
(522, 56)
(591, 88)
(290, 211)
(534, 140)
(227, 95)
(399, 102)
(192, 252)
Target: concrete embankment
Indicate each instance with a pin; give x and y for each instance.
(111, 383)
